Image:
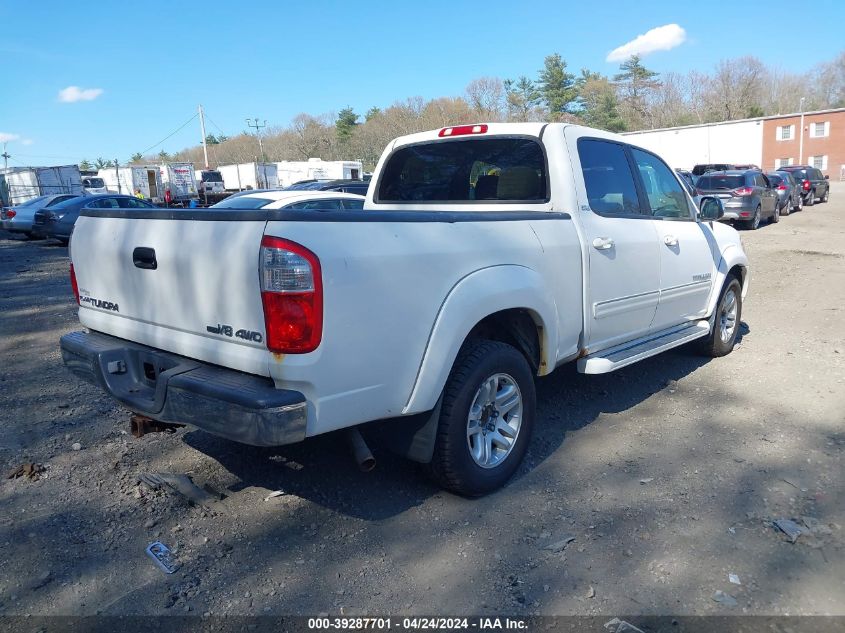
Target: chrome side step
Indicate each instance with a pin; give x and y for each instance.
(628, 353)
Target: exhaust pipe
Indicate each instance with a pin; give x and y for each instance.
(360, 450)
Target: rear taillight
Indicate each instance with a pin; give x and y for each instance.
(10, 213)
(744, 191)
(781, 187)
(805, 185)
(73, 283)
(463, 130)
(292, 294)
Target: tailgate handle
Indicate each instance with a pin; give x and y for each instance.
(144, 257)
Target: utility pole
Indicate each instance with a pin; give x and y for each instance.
(204, 143)
(6, 157)
(801, 132)
(257, 127)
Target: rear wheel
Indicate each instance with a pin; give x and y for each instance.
(754, 223)
(722, 338)
(486, 419)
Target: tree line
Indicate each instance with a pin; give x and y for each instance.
(634, 98)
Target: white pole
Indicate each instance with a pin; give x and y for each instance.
(202, 129)
(801, 132)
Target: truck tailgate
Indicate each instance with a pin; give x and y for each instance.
(187, 287)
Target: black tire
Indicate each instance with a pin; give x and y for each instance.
(786, 209)
(754, 223)
(826, 195)
(800, 205)
(714, 345)
(776, 215)
(810, 200)
(453, 466)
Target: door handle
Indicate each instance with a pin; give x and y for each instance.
(144, 257)
(670, 240)
(603, 243)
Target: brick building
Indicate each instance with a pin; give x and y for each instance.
(822, 145)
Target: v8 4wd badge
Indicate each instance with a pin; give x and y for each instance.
(228, 330)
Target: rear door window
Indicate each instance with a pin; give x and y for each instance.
(353, 205)
(477, 170)
(608, 178)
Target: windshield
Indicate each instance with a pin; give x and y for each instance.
(242, 202)
(212, 176)
(94, 183)
(472, 170)
(720, 182)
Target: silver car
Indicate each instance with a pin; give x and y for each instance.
(19, 218)
(790, 197)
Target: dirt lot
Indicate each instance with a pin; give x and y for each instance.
(666, 474)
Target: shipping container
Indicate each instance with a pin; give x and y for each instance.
(129, 180)
(249, 176)
(19, 184)
(290, 171)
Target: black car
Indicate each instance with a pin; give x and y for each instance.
(58, 220)
(812, 182)
(346, 186)
(699, 170)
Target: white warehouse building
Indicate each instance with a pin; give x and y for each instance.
(735, 142)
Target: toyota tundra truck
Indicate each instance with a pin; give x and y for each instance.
(485, 255)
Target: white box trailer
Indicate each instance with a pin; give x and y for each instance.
(19, 184)
(128, 180)
(180, 180)
(292, 171)
(249, 176)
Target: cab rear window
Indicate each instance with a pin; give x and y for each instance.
(473, 170)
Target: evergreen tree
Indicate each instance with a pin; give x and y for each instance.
(346, 122)
(84, 165)
(557, 86)
(636, 83)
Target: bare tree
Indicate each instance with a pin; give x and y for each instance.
(486, 97)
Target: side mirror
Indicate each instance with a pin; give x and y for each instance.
(710, 208)
(827, 177)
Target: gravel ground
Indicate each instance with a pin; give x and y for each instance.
(666, 475)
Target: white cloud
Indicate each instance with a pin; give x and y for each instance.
(27, 141)
(72, 94)
(661, 38)
(5, 137)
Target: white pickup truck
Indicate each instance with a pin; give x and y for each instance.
(485, 255)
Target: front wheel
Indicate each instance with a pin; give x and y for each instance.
(810, 200)
(800, 204)
(787, 208)
(776, 215)
(486, 419)
(826, 196)
(723, 335)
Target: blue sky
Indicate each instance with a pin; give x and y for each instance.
(155, 61)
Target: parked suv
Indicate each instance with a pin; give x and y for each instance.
(747, 196)
(813, 183)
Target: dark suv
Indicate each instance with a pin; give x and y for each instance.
(812, 182)
(699, 170)
(747, 196)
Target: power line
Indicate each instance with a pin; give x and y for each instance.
(171, 134)
(214, 124)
